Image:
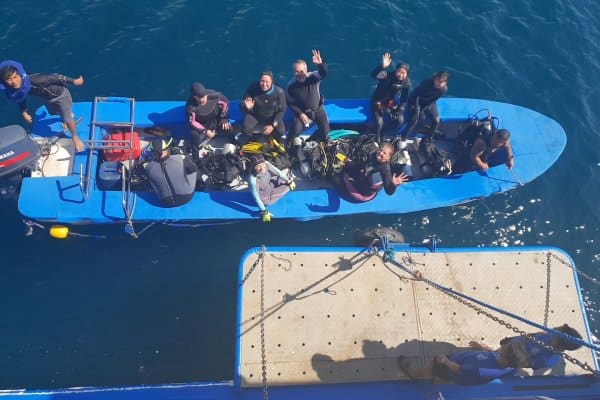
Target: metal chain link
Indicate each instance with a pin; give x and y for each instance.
(583, 365)
(580, 272)
(547, 308)
(262, 323)
(261, 255)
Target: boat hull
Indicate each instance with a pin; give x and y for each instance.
(537, 143)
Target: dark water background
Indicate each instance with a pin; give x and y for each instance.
(162, 308)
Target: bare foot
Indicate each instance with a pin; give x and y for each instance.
(79, 146)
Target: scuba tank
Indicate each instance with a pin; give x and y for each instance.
(304, 166)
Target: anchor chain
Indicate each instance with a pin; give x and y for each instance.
(579, 271)
(547, 307)
(261, 255)
(262, 324)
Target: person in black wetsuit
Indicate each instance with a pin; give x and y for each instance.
(264, 105)
(173, 178)
(207, 112)
(391, 93)
(422, 101)
(362, 182)
(487, 146)
(305, 100)
(17, 85)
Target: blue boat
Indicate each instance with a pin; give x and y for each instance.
(330, 323)
(74, 196)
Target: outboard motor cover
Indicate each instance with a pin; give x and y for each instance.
(17, 150)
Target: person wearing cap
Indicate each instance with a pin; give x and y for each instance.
(391, 93)
(263, 107)
(267, 184)
(172, 177)
(422, 101)
(208, 114)
(52, 89)
(490, 150)
(305, 100)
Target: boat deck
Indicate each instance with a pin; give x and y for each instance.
(338, 315)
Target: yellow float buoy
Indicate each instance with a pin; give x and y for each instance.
(59, 231)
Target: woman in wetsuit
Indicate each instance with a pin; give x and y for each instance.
(391, 93)
(363, 182)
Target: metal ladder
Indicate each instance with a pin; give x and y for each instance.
(127, 198)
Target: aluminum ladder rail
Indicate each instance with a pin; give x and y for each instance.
(101, 144)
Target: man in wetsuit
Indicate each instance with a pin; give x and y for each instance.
(172, 177)
(17, 85)
(487, 147)
(362, 182)
(422, 101)
(207, 112)
(263, 105)
(305, 100)
(391, 93)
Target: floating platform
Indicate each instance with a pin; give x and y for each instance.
(345, 316)
(330, 323)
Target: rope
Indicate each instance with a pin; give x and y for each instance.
(29, 225)
(184, 225)
(497, 309)
(516, 177)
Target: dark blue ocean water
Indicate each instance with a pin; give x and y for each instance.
(162, 308)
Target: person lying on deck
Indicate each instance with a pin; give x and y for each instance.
(541, 357)
(363, 181)
(472, 367)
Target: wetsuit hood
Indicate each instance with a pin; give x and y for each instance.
(16, 95)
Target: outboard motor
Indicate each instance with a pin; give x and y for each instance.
(18, 154)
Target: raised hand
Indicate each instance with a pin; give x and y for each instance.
(386, 60)
(27, 117)
(316, 59)
(249, 103)
(399, 179)
(78, 81)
